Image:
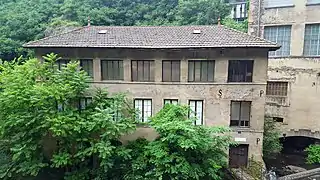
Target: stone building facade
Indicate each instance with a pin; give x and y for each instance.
(293, 94)
(224, 82)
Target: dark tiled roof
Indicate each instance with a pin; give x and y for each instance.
(153, 37)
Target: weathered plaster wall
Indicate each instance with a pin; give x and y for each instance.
(216, 108)
(301, 110)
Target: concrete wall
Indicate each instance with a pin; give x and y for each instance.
(216, 108)
(301, 109)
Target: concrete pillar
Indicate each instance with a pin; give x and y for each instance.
(97, 69)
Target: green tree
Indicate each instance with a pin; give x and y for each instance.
(182, 150)
(42, 127)
(240, 26)
(271, 141)
(38, 18)
(313, 152)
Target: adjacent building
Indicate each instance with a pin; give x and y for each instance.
(219, 72)
(293, 94)
(239, 9)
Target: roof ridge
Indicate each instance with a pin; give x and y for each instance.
(59, 34)
(257, 37)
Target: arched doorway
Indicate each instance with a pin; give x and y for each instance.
(293, 156)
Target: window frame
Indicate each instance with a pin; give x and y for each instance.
(267, 6)
(309, 43)
(141, 113)
(88, 63)
(194, 61)
(246, 79)
(313, 3)
(60, 65)
(119, 76)
(171, 101)
(151, 71)
(240, 120)
(171, 70)
(195, 112)
(270, 89)
(275, 31)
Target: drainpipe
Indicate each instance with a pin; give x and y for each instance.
(259, 19)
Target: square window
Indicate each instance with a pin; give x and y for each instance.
(280, 35)
(112, 69)
(240, 70)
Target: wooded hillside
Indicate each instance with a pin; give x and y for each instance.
(26, 20)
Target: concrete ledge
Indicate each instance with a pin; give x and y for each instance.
(302, 175)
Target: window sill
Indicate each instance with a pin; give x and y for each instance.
(180, 83)
(285, 57)
(312, 4)
(243, 129)
(283, 6)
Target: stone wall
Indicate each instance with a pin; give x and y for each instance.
(301, 108)
(216, 105)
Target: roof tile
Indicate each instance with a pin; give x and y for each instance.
(153, 37)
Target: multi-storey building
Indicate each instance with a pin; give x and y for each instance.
(293, 93)
(219, 72)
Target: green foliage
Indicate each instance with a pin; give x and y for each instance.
(313, 154)
(271, 141)
(182, 150)
(40, 17)
(36, 135)
(240, 26)
(45, 135)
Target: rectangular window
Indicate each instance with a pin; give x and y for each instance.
(84, 102)
(87, 66)
(240, 71)
(313, 1)
(278, 3)
(144, 108)
(277, 88)
(142, 71)
(62, 63)
(240, 113)
(171, 101)
(115, 105)
(239, 11)
(112, 69)
(170, 71)
(312, 40)
(196, 107)
(280, 35)
(201, 71)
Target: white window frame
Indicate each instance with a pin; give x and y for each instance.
(278, 3)
(279, 39)
(144, 108)
(170, 101)
(313, 1)
(311, 42)
(196, 107)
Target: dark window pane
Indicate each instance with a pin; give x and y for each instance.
(142, 71)
(240, 71)
(112, 69)
(171, 71)
(201, 71)
(87, 65)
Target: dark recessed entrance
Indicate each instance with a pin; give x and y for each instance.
(238, 156)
